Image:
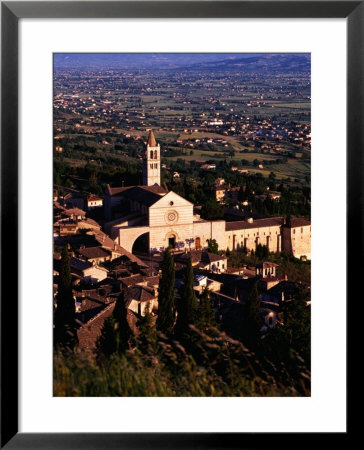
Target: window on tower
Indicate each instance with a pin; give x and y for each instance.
(151, 154)
(155, 154)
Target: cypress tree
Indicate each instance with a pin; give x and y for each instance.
(106, 344)
(206, 315)
(187, 304)
(166, 296)
(254, 320)
(116, 335)
(122, 329)
(64, 317)
(147, 339)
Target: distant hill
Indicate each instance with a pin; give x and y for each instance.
(279, 62)
(245, 62)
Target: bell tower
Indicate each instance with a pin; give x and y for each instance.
(152, 162)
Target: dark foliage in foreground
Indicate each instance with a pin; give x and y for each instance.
(65, 335)
(214, 365)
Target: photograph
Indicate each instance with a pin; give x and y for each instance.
(181, 224)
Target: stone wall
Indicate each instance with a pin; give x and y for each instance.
(210, 230)
(251, 237)
(297, 241)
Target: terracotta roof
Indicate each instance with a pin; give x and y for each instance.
(117, 190)
(156, 189)
(145, 196)
(140, 293)
(93, 252)
(153, 281)
(89, 309)
(199, 256)
(91, 331)
(151, 139)
(131, 281)
(88, 223)
(288, 287)
(106, 242)
(258, 223)
(93, 198)
(298, 222)
(194, 255)
(74, 211)
(211, 257)
(266, 264)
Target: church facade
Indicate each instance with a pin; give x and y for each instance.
(159, 218)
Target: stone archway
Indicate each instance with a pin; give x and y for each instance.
(128, 235)
(141, 244)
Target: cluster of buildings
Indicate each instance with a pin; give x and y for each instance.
(96, 110)
(140, 222)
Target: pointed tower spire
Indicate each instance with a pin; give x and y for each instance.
(151, 139)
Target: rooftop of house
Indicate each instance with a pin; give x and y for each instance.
(198, 256)
(74, 212)
(78, 264)
(132, 280)
(93, 198)
(88, 223)
(89, 333)
(285, 287)
(140, 293)
(93, 252)
(265, 264)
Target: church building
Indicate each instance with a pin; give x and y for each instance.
(151, 218)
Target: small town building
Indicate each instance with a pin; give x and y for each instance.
(94, 202)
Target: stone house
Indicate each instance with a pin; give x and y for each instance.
(93, 202)
(87, 271)
(141, 299)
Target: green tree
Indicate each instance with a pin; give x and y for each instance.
(262, 251)
(205, 314)
(124, 334)
(297, 322)
(254, 319)
(106, 344)
(64, 318)
(211, 210)
(213, 246)
(242, 195)
(116, 335)
(166, 296)
(186, 306)
(147, 338)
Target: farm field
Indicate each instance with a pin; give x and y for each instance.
(231, 114)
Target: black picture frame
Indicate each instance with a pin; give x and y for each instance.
(11, 12)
